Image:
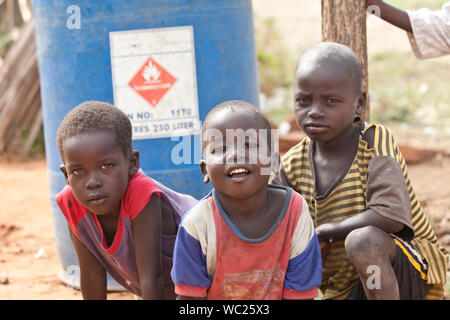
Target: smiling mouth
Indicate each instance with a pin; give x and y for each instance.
(238, 172)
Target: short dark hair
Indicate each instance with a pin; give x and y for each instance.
(336, 53)
(235, 105)
(95, 116)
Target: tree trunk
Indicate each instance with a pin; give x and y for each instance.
(10, 15)
(344, 21)
(18, 19)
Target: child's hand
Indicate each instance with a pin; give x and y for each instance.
(324, 234)
(372, 3)
(393, 15)
(324, 248)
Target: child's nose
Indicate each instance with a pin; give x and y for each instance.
(315, 111)
(93, 181)
(236, 155)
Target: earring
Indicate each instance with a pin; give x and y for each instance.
(205, 179)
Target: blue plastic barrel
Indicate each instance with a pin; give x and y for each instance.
(75, 65)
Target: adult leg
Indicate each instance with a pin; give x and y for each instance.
(372, 252)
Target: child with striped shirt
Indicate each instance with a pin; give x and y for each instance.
(375, 239)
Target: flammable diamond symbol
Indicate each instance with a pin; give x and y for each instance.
(152, 82)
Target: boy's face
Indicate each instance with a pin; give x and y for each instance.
(236, 154)
(97, 171)
(326, 100)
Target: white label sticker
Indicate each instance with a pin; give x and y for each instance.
(154, 80)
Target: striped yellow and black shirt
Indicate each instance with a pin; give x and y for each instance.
(358, 191)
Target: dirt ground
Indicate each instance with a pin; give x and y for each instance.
(29, 263)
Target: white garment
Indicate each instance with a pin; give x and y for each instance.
(431, 32)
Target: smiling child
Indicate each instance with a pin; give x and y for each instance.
(246, 239)
(120, 221)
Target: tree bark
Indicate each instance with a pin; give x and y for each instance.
(10, 14)
(344, 21)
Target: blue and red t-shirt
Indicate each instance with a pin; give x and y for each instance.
(119, 258)
(213, 259)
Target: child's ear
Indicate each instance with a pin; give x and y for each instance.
(361, 104)
(203, 170)
(133, 163)
(64, 171)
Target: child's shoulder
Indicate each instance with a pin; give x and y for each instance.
(298, 151)
(70, 207)
(65, 199)
(380, 138)
(140, 185)
(375, 129)
(64, 194)
(139, 191)
(198, 213)
(140, 179)
(199, 218)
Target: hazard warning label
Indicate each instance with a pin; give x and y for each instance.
(154, 80)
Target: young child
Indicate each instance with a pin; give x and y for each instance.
(376, 241)
(246, 239)
(120, 221)
(428, 31)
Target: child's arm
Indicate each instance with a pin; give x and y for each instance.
(147, 230)
(340, 229)
(387, 195)
(189, 272)
(428, 31)
(92, 273)
(395, 16)
(304, 272)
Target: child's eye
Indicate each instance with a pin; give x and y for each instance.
(77, 172)
(332, 101)
(106, 166)
(303, 101)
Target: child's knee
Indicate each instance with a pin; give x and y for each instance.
(366, 245)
